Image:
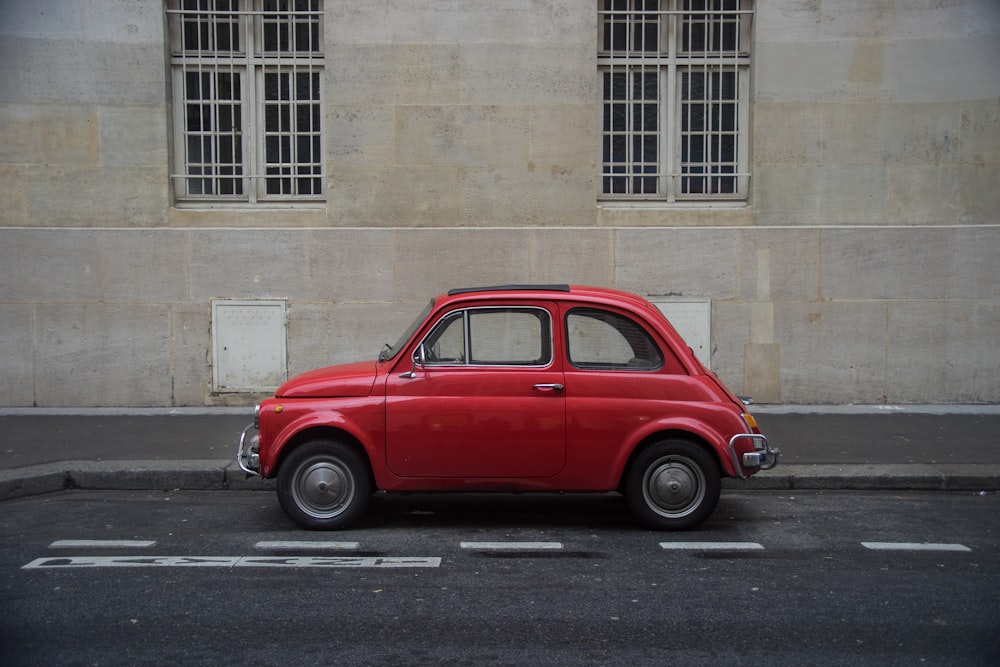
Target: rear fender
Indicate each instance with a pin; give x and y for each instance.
(678, 428)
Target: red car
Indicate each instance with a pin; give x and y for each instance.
(512, 388)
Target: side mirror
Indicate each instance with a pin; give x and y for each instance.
(419, 361)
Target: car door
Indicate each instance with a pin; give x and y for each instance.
(486, 402)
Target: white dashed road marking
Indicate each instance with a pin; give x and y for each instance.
(101, 544)
(318, 546)
(712, 546)
(512, 546)
(913, 546)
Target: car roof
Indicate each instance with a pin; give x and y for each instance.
(554, 291)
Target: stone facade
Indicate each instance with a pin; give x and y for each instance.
(461, 146)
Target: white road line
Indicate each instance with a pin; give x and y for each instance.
(712, 546)
(77, 562)
(114, 544)
(512, 546)
(913, 546)
(319, 546)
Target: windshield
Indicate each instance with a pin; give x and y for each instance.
(390, 351)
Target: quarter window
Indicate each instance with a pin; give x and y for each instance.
(601, 340)
(674, 80)
(491, 337)
(246, 78)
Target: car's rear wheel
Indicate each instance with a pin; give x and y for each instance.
(324, 485)
(673, 485)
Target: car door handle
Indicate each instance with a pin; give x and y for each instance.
(549, 387)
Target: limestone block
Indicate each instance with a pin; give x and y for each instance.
(13, 197)
(102, 354)
(350, 265)
(779, 264)
(831, 352)
(359, 331)
(788, 133)
(248, 217)
(49, 134)
(850, 133)
(819, 74)
(563, 134)
(896, 263)
(980, 139)
(612, 214)
(842, 19)
(787, 195)
(431, 261)
(941, 70)
(943, 351)
(310, 332)
(17, 376)
(529, 74)
(402, 21)
(576, 256)
(461, 135)
(116, 196)
(145, 266)
(388, 196)
(190, 345)
(360, 134)
(926, 194)
(852, 194)
(762, 372)
(555, 196)
(979, 187)
(132, 22)
(134, 135)
(677, 262)
(923, 133)
(975, 272)
(395, 73)
(730, 332)
(50, 265)
(788, 21)
(257, 264)
(81, 71)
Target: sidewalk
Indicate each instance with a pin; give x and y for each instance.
(823, 447)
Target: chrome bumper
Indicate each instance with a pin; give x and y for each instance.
(762, 457)
(246, 450)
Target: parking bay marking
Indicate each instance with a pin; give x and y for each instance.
(75, 562)
(712, 546)
(290, 544)
(914, 546)
(512, 546)
(101, 544)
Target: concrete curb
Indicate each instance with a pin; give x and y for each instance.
(225, 475)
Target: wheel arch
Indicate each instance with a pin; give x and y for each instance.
(324, 432)
(668, 434)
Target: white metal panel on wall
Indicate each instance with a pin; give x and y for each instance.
(249, 345)
(693, 321)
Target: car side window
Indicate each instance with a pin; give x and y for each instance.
(491, 337)
(602, 340)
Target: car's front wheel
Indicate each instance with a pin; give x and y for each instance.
(673, 485)
(324, 485)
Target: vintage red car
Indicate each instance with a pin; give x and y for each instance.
(511, 388)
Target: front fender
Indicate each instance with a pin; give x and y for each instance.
(360, 423)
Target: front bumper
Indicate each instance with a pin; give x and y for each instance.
(763, 456)
(247, 448)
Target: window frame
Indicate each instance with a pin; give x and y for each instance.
(546, 340)
(589, 311)
(672, 176)
(253, 177)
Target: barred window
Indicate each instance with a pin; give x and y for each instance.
(246, 78)
(674, 79)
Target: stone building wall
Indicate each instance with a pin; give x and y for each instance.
(461, 149)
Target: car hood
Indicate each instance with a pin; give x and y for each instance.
(345, 380)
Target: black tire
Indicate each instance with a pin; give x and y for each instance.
(673, 485)
(324, 485)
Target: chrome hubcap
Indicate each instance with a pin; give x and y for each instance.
(674, 486)
(323, 489)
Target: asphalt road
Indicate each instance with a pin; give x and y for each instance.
(775, 578)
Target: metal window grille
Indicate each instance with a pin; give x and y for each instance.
(674, 78)
(247, 99)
